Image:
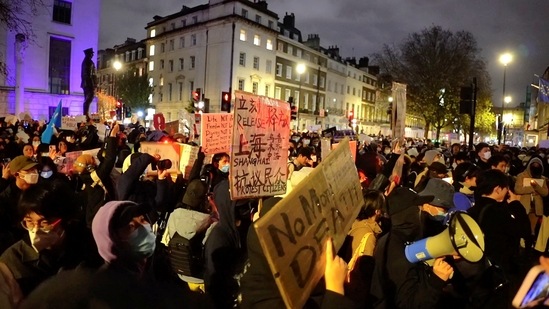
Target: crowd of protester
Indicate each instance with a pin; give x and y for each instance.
(119, 231)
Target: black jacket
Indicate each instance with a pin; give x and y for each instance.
(96, 196)
(10, 229)
(397, 283)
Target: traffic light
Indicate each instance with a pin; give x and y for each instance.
(466, 100)
(128, 112)
(351, 117)
(225, 101)
(118, 110)
(293, 108)
(197, 95)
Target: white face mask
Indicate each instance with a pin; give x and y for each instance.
(542, 155)
(31, 178)
(487, 155)
(521, 156)
(36, 143)
(441, 160)
(454, 165)
(41, 240)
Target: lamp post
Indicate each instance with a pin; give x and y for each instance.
(299, 69)
(506, 101)
(504, 59)
(391, 124)
(117, 65)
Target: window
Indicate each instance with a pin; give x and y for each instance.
(169, 91)
(256, 63)
(193, 62)
(62, 11)
(290, 50)
(162, 47)
(242, 59)
(267, 90)
(299, 52)
(193, 40)
(269, 64)
(289, 72)
(271, 24)
(348, 89)
(255, 87)
(172, 45)
(269, 44)
(151, 65)
(183, 23)
(153, 33)
(151, 82)
(59, 66)
(258, 19)
(180, 91)
(161, 64)
(279, 69)
(244, 13)
(161, 81)
(242, 35)
(287, 94)
(240, 84)
(173, 26)
(160, 96)
(195, 19)
(315, 79)
(171, 65)
(139, 53)
(132, 57)
(181, 64)
(257, 40)
(182, 42)
(322, 81)
(277, 93)
(151, 50)
(280, 47)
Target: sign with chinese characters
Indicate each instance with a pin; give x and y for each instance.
(217, 130)
(259, 152)
(293, 234)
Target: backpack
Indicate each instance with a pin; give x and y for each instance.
(187, 256)
(185, 236)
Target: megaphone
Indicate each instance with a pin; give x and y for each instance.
(462, 237)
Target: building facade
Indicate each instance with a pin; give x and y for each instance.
(46, 68)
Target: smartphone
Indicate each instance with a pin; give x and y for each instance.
(534, 289)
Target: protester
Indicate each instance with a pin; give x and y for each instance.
(532, 186)
(483, 154)
(54, 240)
(464, 182)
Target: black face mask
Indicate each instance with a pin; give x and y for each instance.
(535, 171)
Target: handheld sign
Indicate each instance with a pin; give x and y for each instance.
(217, 130)
(293, 234)
(259, 152)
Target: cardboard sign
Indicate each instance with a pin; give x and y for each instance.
(259, 153)
(172, 127)
(217, 130)
(325, 147)
(189, 154)
(352, 147)
(159, 121)
(293, 234)
(65, 164)
(170, 151)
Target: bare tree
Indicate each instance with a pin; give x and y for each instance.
(434, 64)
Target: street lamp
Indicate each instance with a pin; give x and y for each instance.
(504, 59)
(299, 69)
(505, 118)
(390, 99)
(117, 65)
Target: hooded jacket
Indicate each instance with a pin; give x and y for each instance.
(531, 193)
(397, 283)
(223, 252)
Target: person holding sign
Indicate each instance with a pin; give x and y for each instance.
(532, 186)
(259, 289)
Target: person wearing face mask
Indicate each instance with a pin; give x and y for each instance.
(438, 208)
(532, 192)
(23, 174)
(54, 239)
(483, 155)
(464, 182)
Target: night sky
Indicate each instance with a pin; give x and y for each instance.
(360, 28)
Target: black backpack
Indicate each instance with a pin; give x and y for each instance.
(187, 256)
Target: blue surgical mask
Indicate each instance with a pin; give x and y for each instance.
(143, 241)
(46, 174)
(225, 168)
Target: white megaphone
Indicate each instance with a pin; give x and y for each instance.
(463, 237)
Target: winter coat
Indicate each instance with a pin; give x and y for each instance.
(530, 193)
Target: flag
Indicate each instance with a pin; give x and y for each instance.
(54, 121)
(543, 92)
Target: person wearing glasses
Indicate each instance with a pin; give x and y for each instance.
(54, 239)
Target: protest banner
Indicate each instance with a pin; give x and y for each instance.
(259, 152)
(293, 234)
(325, 147)
(188, 155)
(544, 143)
(217, 129)
(65, 164)
(71, 122)
(172, 127)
